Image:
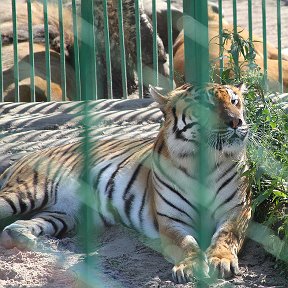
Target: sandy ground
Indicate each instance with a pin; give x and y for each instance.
(119, 257)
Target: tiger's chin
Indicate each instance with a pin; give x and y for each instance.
(235, 146)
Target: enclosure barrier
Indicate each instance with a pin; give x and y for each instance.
(87, 84)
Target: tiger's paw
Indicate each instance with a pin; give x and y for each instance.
(189, 268)
(18, 236)
(223, 265)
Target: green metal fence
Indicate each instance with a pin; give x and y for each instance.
(88, 83)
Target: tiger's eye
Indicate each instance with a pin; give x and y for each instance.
(234, 101)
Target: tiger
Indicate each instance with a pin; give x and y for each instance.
(149, 184)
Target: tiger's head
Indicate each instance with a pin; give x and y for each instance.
(213, 114)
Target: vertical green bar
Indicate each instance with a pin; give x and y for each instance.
(88, 92)
(47, 50)
(196, 55)
(235, 20)
(107, 50)
(122, 50)
(264, 43)
(221, 61)
(88, 52)
(76, 51)
(196, 41)
(86, 213)
(1, 71)
(170, 44)
(250, 23)
(190, 52)
(155, 46)
(15, 48)
(250, 20)
(31, 52)
(279, 32)
(139, 50)
(62, 52)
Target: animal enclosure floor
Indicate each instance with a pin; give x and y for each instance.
(118, 259)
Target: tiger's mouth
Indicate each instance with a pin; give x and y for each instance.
(220, 140)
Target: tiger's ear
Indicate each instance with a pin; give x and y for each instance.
(242, 87)
(158, 96)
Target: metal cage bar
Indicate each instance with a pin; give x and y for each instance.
(139, 50)
(107, 51)
(170, 44)
(279, 32)
(122, 50)
(196, 55)
(221, 60)
(62, 51)
(89, 89)
(47, 50)
(15, 50)
(76, 51)
(31, 52)
(89, 50)
(155, 46)
(250, 24)
(265, 66)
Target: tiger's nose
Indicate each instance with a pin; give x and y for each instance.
(235, 122)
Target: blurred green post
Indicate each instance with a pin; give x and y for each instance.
(196, 41)
(197, 72)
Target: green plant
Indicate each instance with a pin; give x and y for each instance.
(268, 145)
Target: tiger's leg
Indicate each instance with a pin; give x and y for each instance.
(226, 244)
(24, 233)
(182, 248)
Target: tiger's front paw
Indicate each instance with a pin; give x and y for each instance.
(17, 236)
(223, 265)
(189, 268)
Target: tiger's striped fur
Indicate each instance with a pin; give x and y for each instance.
(147, 184)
